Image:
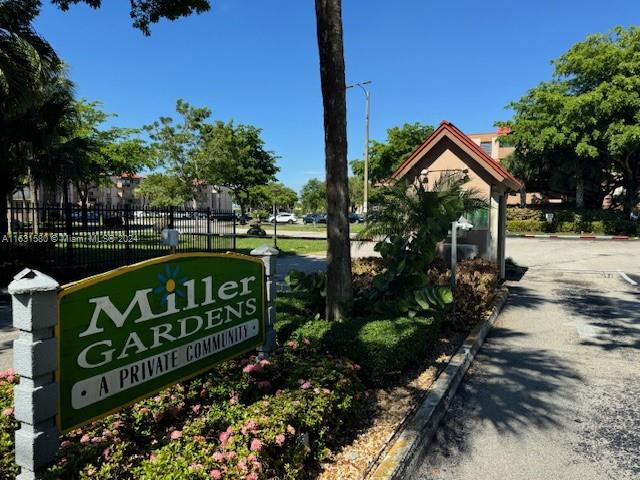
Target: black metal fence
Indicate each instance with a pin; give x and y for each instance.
(71, 241)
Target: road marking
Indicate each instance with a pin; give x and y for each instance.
(626, 277)
(585, 330)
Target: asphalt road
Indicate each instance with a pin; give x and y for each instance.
(553, 393)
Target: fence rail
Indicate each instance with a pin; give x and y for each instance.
(58, 239)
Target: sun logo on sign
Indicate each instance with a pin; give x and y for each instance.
(170, 281)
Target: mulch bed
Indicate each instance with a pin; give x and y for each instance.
(385, 410)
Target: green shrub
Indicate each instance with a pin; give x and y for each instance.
(382, 347)
(526, 225)
(517, 213)
(611, 222)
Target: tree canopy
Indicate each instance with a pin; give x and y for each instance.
(275, 193)
(313, 196)
(178, 146)
(235, 157)
(161, 190)
(113, 151)
(580, 131)
(385, 157)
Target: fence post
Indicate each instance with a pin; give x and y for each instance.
(127, 234)
(68, 224)
(34, 304)
(234, 230)
(171, 217)
(269, 257)
(208, 229)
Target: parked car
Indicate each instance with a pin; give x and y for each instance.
(223, 216)
(313, 218)
(92, 216)
(355, 218)
(283, 217)
(113, 220)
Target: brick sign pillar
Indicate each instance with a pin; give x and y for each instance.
(34, 304)
(269, 256)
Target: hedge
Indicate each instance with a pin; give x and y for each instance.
(525, 226)
(611, 222)
(609, 227)
(384, 348)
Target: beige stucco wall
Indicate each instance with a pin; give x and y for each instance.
(448, 156)
(443, 157)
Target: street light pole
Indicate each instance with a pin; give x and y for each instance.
(367, 97)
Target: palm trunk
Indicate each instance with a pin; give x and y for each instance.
(330, 46)
(523, 197)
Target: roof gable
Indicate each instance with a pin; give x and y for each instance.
(449, 130)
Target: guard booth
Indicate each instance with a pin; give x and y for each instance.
(448, 149)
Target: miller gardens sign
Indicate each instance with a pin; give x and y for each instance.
(125, 334)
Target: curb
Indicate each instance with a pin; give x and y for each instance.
(574, 237)
(411, 441)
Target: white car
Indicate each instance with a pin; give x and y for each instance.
(283, 218)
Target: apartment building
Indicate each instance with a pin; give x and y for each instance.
(492, 146)
(119, 191)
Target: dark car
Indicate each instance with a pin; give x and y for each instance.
(223, 216)
(311, 218)
(355, 218)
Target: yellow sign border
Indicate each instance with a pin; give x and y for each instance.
(92, 280)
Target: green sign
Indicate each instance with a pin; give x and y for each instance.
(126, 334)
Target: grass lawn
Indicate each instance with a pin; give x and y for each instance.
(286, 246)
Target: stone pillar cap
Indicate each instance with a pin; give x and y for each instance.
(265, 250)
(29, 280)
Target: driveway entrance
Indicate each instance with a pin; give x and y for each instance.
(553, 394)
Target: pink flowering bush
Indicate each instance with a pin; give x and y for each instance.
(223, 424)
(8, 424)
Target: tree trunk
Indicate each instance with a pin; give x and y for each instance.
(579, 190)
(329, 29)
(523, 197)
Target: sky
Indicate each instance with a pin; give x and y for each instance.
(256, 62)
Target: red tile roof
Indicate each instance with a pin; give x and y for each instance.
(447, 128)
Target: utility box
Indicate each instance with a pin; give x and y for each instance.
(170, 237)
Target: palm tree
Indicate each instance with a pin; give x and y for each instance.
(28, 64)
(27, 61)
(37, 143)
(420, 215)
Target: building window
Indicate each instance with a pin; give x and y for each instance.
(486, 146)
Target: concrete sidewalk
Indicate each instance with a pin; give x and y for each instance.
(553, 394)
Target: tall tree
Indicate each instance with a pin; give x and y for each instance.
(273, 194)
(584, 122)
(178, 146)
(27, 61)
(28, 66)
(356, 193)
(115, 150)
(385, 157)
(160, 190)
(234, 156)
(313, 196)
(330, 46)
